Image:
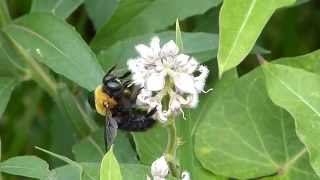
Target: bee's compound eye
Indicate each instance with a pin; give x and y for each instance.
(107, 78)
(113, 85)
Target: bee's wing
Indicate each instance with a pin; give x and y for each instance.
(110, 132)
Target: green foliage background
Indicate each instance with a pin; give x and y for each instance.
(260, 122)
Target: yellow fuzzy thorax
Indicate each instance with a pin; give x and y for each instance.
(103, 101)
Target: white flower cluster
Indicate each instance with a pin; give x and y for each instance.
(163, 71)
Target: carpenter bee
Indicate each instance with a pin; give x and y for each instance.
(116, 100)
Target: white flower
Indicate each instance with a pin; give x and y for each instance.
(185, 175)
(159, 168)
(163, 71)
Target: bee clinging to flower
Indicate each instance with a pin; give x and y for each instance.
(116, 100)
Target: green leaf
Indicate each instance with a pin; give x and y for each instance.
(0, 149)
(151, 144)
(73, 111)
(188, 128)
(62, 158)
(0, 156)
(67, 172)
(297, 91)
(244, 135)
(60, 8)
(91, 171)
(6, 87)
(73, 59)
(100, 11)
(6, 66)
(61, 142)
(4, 14)
(179, 40)
(92, 148)
(110, 169)
(134, 171)
(308, 62)
(28, 166)
(128, 171)
(299, 2)
(202, 46)
(77, 168)
(26, 64)
(137, 17)
(241, 23)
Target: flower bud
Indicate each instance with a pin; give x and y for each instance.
(160, 168)
(185, 175)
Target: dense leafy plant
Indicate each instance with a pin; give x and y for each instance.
(261, 121)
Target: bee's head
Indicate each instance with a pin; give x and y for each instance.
(111, 84)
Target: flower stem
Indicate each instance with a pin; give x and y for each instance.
(172, 147)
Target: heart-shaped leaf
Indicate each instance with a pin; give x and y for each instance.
(244, 135)
(298, 92)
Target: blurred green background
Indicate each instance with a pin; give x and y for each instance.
(32, 118)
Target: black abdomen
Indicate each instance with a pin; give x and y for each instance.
(136, 123)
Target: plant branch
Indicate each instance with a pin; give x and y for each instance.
(171, 149)
(4, 14)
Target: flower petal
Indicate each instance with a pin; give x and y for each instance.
(155, 82)
(169, 49)
(184, 82)
(145, 51)
(144, 97)
(193, 100)
(182, 60)
(174, 104)
(192, 65)
(201, 79)
(155, 45)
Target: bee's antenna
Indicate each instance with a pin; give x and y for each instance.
(111, 69)
(125, 75)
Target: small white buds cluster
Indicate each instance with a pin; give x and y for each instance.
(163, 71)
(160, 169)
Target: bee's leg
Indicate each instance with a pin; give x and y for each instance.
(152, 112)
(110, 131)
(134, 95)
(126, 83)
